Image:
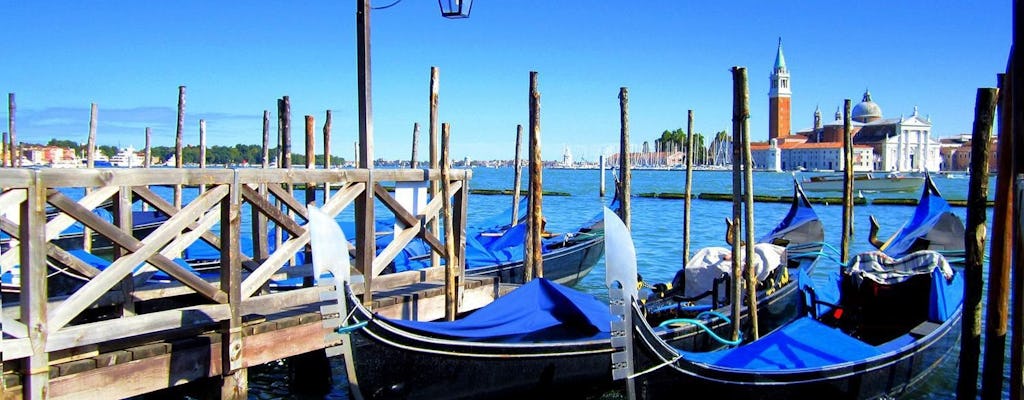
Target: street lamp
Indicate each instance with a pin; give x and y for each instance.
(455, 8)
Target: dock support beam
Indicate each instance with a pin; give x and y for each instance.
(36, 373)
(235, 376)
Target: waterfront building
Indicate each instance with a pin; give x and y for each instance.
(894, 144)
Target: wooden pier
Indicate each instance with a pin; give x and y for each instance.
(119, 335)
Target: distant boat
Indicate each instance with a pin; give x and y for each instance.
(864, 182)
(126, 158)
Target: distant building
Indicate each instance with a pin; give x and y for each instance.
(895, 144)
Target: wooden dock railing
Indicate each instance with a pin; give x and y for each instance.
(118, 305)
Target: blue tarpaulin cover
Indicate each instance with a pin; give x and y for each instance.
(540, 309)
(929, 210)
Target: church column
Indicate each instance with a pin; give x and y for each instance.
(927, 149)
(899, 148)
(920, 158)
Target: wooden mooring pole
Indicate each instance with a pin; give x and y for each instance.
(737, 190)
(974, 244)
(433, 187)
(202, 150)
(178, 143)
(689, 186)
(451, 303)
(1001, 252)
(11, 132)
(748, 202)
(625, 175)
(600, 161)
(536, 219)
(1016, 112)
(415, 145)
(517, 174)
(327, 153)
(366, 238)
(847, 232)
(259, 220)
(90, 163)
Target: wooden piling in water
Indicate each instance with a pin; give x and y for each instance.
(5, 143)
(600, 161)
(847, 232)
(147, 160)
(974, 244)
(327, 153)
(748, 202)
(202, 150)
(11, 132)
(285, 115)
(90, 163)
(260, 244)
(625, 175)
(310, 157)
(1017, 124)
(435, 190)
(536, 218)
(517, 174)
(415, 145)
(737, 272)
(178, 143)
(689, 186)
(366, 238)
(451, 304)
(1001, 252)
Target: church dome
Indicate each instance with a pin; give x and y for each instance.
(866, 110)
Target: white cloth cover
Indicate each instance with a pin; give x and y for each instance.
(711, 262)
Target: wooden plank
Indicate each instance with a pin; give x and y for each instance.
(288, 200)
(387, 255)
(106, 177)
(16, 348)
(342, 198)
(95, 288)
(257, 278)
(163, 206)
(62, 221)
(258, 202)
(401, 214)
(136, 326)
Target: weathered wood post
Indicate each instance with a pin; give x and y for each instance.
(235, 384)
(974, 244)
(90, 163)
(1001, 251)
(626, 176)
(202, 150)
(600, 160)
(748, 202)
(847, 231)
(285, 114)
(364, 211)
(12, 135)
(5, 143)
(123, 218)
(147, 160)
(1017, 123)
(36, 373)
(259, 220)
(689, 186)
(535, 268)
(310, 157)
(434, 188)
(452, 264)
(327, 153)
(737, 183)
(517, 174)
(178, 142)
(415, 144)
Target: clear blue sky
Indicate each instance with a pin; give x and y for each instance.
(236, 58)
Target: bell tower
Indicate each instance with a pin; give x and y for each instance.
(778, 98)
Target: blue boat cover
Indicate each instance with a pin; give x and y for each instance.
(538, 310)
(803, 343)
(929, 210)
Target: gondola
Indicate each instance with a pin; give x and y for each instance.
(933, 226)
(539, 340)
(873, 329)
(799, 238)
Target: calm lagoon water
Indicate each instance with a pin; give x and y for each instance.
(657, 232)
